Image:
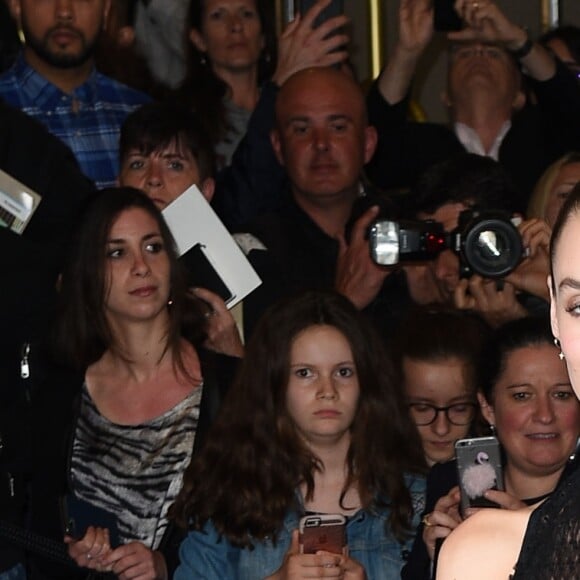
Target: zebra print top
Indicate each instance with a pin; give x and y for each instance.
(134, 471)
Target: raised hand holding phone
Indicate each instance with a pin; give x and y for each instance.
(445, 17)
(479, 469)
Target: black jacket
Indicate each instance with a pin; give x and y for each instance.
(56, 399)
(30, 264)
(540, 134)
(299, 256)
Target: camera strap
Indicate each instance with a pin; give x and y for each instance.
(33, 542)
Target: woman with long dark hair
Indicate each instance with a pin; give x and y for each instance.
(312, 425)
(129, 326)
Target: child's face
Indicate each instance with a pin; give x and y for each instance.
(439, 384)
(323, 389)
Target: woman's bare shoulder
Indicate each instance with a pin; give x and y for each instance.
(484, 547)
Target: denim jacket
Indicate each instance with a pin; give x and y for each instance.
(205, 555)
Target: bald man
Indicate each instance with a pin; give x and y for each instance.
(322, 138)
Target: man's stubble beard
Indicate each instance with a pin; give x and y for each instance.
(58, 60)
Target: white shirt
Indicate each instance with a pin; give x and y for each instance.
(472, 143)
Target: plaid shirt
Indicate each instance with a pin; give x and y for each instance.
(88, 120)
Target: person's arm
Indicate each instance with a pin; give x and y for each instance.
(357, 276)
(415, 33)
(297, 566)
(485, 22)
(497, 304)
(132, 560)
(484, 546)
(135, 560)
(302, 45)
(223, 335)
(388, 98)
(442, 477)
(405, 149)
(250, 185)
(444, 518)
(531, 274)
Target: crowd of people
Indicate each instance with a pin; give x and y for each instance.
(149, 432)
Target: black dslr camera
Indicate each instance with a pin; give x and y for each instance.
(487, 242)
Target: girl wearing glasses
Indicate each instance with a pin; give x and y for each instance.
(438, 355)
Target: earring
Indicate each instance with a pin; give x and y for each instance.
(202, 59)
(561, 355)
(170, 302)
(492, 429)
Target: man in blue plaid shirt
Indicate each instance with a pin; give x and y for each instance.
(54, 80)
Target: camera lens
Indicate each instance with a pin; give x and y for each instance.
(492, 248)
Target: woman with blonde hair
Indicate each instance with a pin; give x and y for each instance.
(553, 187)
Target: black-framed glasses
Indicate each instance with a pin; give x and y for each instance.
(457, 414)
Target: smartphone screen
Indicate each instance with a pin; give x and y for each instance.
(78, 515)
(201, 272)
(479, 470)
(324, 532)
(445, 17)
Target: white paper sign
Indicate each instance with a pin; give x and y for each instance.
(192, 221)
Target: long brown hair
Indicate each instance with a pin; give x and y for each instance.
(245, 478)
(82, 332)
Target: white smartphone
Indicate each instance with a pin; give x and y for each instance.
(479, 470)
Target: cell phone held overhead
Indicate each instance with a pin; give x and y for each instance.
(479, 469)
(445, 18)
(323, 533)
(335, 8)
